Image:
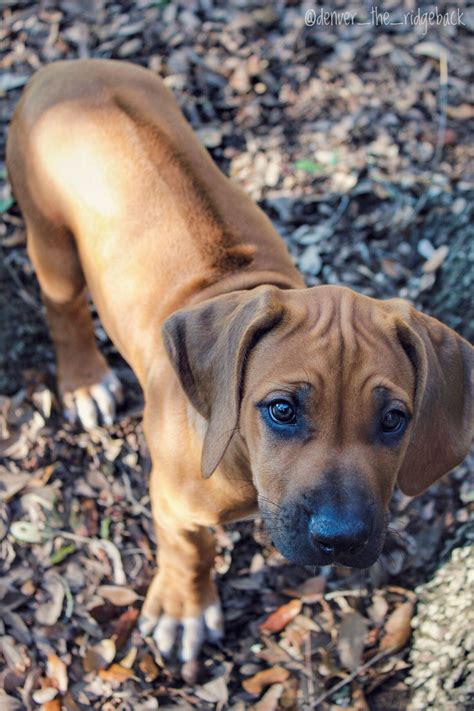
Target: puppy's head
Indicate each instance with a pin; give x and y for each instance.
(335, 396)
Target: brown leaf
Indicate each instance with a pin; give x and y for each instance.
(397, 628)
(15, 655)
(49, 612)
(148, 668)
(289, 698)
(122, 628)
(462, 112)
(116, 673)
(57, 672)
(259, 681)
(45, 694)
(54, 705)
(129, 659)
(118, 595)
(281, 617)
(104, 613)
(12, 483)
(272, 653)
(378, 609)
(100, 655)
(310, 590)
(359, 702)
(269, 701)
(350, 643)
(69, 703)
(437, 258)
(214, 691)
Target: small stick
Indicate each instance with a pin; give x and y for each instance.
(349, 678)
(309, 667)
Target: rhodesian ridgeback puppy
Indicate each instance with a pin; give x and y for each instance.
(307, 404)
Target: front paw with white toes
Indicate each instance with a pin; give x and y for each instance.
(179, 627)
(185, 635)
(94, 404)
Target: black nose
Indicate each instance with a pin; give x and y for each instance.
(335, 536)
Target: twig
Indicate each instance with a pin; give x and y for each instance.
(341, 684)
(357, 592)
(136, 504)
(341, 208)
(309, 667)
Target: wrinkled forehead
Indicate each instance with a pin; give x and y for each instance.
(332, 335)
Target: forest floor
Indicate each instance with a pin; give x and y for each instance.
(355, 139)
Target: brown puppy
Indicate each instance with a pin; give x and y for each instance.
(311, 402)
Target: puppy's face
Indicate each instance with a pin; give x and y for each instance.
(335, 396)
(326, 415)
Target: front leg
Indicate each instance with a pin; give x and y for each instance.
(182, 593)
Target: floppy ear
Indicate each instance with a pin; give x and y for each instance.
(443, 418)
(208, 346)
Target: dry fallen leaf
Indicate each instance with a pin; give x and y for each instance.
(272, 652)
(289, 698)
(116, 673)
(57, 672)
(100, 655)
(461, 112)
(281, 617)
(359, 702)
(437, 258)
(350, 642)
(259, 681)
(9, 703)
(118, 595)
(42, 696)
(378, 609)
(69, 702)
(129, 660)
(269, 701)
(148, 668)
(50, 611)
(54, 705)
(11, 484)
(310, 590)
(397, 628)
(15, 655)
(122, 628)
(215, 691)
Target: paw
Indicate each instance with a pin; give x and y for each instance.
(186, 635)
(95, 403)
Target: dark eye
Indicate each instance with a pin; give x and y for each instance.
(282, 412)
(393, 421)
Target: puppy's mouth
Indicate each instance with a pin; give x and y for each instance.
(292, 534)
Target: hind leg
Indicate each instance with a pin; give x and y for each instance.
(87, 386)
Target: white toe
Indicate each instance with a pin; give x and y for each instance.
(86, 410)
(104, 401)
(114, 386)
(214, 620)
(165, 634)
(194, 633)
